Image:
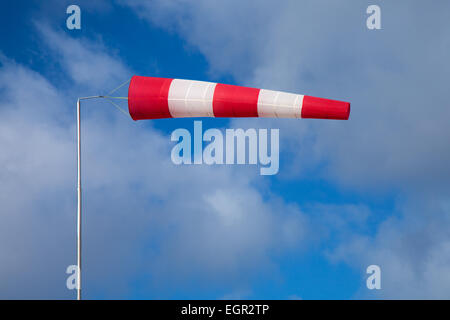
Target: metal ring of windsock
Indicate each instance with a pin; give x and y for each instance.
(156, 98)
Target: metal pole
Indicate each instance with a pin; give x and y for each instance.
(79, 186)
(79, 202)
(79, 194)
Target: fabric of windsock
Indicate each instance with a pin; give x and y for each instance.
(156, 98)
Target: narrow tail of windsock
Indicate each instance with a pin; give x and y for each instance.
(156, 98)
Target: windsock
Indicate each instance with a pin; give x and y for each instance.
(156, 98)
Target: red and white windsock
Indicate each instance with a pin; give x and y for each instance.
(156, 98)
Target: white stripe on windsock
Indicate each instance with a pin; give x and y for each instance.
(189, 98)
(277, 104)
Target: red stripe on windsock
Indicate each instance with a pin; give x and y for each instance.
(235, 101)
(147, 98)
(319, 108)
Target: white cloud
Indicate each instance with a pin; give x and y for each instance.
(78, 57)
(412, 251)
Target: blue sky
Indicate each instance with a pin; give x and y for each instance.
(371, 190)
